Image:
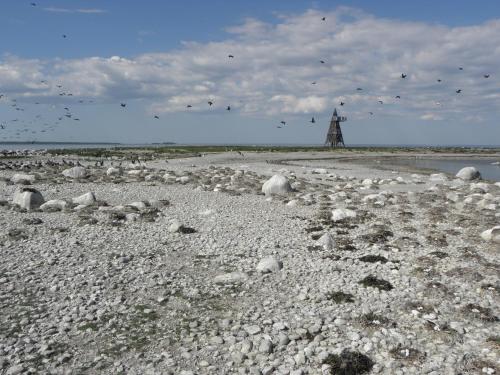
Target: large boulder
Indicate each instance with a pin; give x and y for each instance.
(492, 235)
(269, 264)
(75, 172)
(86, 199)
(468, 174)
(28, 198)
(23, 179)
(278, 184)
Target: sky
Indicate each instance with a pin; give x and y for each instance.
(66, 68)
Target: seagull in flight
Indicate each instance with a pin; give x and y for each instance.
(64, 36)
(322, 61)
(283, 122)
(189, 106)
(210, 103)
(228, 108)
(123, 105)
(439, 80)
(157, 117)
(460, 68)
(342, 103)
(403, 75)
(313, 83)
(371, 113)
(458, 91)
(359, 89)
(323, 19)
(381, 102)
(230, 56)
(398, 97)
(312, 121)
(33, 4)
(486, 76)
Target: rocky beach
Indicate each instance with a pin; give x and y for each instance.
(246, 263)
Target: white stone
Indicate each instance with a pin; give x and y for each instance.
(269, 264)
(438, 177)
(492, 235)
(468, 173)
(326, 241)
(135, 172)
(75, 172)
(292, 203)
(319, 171)
(277, 184)
(184, 179)
(57, 204)
(85, 199)
(21, 178)
(28, 198)
(340, 214)
(139, 205)
(235, 277)
(112, 171)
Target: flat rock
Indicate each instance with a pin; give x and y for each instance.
(75, 172)
(22, 178)
(112, 171)
(340, 214)
(54, 204)
(85, 199)
(326, 241)
(235, 277)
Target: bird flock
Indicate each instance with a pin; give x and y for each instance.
(19, 127)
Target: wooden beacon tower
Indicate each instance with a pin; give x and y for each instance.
(334, 136)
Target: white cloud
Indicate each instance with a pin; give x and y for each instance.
(274, 66)
(81, 10)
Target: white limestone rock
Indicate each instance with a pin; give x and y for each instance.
(438, 178)
(319, 171)
(340, 214)
(54, 204)
(492, 235)
(112, 171)
(326, 241)
(22, 178)
(468, 174)
(269, 264)
(28, 198)
(75, 172)
(236, 277)
(278, 184)
(86, 199)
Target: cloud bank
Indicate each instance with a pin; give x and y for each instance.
(277, 70)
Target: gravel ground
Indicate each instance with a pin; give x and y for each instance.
(186, 267)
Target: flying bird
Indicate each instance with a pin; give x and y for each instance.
(157, 117)
(323, 19)
(439, 80)
(33, 4)
(283, 122)
(342, 103)
(123, 105)
(460, 68)
(403, 75)
(228, 108)
(312, 120)
(230, 56)
(313, 83)
(322, 61)
(359, 89)
(64, 36)
(371, 113)
(458, 91)
(210, 103)
(486, 76)
(381, 102)
(398, 97)
(189, 106)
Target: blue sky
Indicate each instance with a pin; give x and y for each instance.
(159, 56)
